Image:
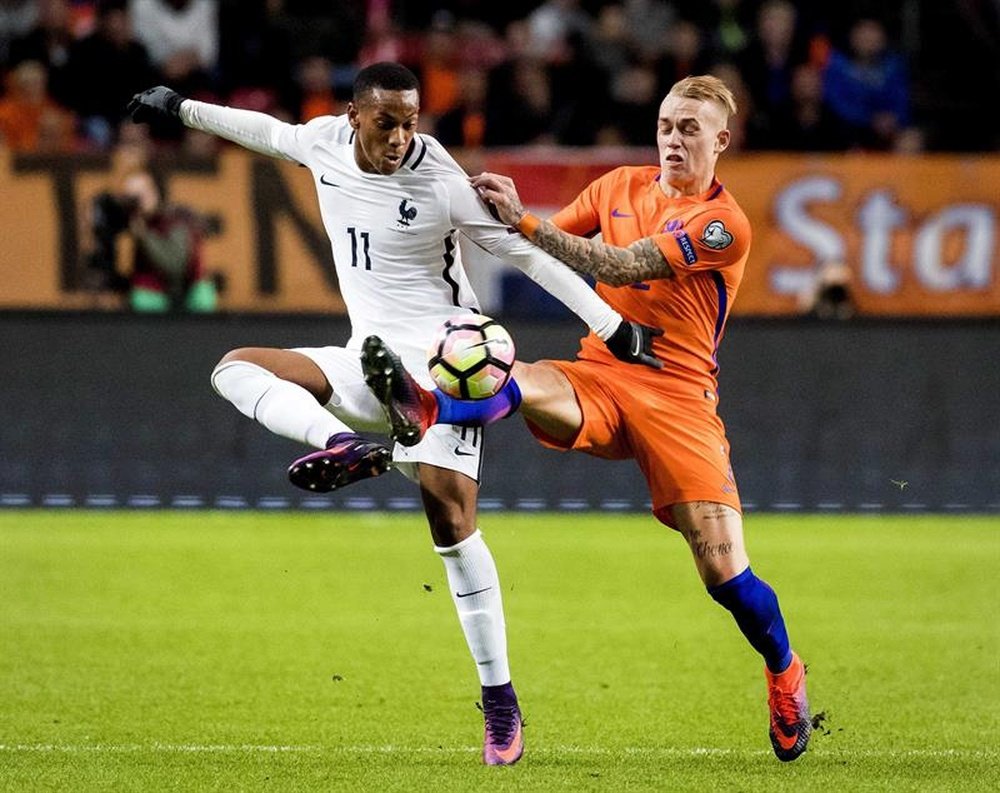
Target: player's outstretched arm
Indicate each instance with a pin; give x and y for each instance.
(154, 104)
(258, 132)
(609, 264)
(628, 341)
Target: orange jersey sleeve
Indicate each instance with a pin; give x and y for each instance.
(706, 241)
(710, 237)
(582, 217)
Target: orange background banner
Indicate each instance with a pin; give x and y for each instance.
(919, 235)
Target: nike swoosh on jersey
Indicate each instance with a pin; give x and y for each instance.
(617, 213)
(463, 453)
(322, 179)
(470, 594)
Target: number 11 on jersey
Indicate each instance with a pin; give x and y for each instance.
(355, 234)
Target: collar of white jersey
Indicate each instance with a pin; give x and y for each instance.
(415, 153)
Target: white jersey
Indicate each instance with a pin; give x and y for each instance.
(395, 238)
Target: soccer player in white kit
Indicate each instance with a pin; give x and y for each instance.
(393, 203)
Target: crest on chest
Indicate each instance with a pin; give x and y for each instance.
(407, 213)
(410, 214)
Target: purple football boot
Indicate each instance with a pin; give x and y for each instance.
(503, 742)
(347, 458)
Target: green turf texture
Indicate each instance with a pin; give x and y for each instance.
(300, 652)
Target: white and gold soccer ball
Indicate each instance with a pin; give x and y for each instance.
(471, 356)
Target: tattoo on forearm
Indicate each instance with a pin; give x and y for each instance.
(640, 261)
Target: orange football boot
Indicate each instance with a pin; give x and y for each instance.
(791, 724)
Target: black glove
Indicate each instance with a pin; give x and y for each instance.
(155, 104)
(633, 342)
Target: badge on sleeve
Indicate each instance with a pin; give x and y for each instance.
(716, 236)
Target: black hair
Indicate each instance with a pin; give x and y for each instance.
(387, 76)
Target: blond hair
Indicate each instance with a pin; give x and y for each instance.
(707, 88)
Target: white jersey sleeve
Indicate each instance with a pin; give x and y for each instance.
(472, 217)
(554, 277)
(262, 133)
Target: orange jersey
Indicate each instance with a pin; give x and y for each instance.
(706, 240)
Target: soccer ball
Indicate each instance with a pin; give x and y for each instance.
(471, 357)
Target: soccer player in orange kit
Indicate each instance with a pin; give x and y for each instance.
(673, 251)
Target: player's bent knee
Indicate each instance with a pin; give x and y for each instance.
(289, 365)
(240, 382)
(542, 381)
(244, 354)
(234, 359)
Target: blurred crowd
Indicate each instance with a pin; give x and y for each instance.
(906, 75)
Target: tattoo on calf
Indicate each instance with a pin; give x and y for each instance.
(707, 550)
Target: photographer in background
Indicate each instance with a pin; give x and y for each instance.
(167, 271)
(830, 295)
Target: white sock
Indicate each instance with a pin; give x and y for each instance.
(475, 588)
(283, 407)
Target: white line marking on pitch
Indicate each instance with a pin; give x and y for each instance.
(99, 748)
(388, 749)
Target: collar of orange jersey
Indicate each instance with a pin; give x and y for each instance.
(714, 191)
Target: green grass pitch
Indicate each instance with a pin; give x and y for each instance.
(299, 652)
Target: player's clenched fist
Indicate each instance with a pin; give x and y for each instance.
(155, 103)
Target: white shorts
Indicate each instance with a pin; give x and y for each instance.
(444, 445)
